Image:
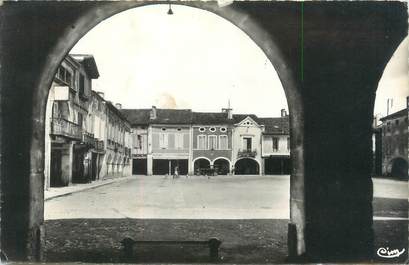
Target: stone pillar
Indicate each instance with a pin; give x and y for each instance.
(149, 165)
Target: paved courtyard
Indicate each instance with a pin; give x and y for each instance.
(220, 197)
(248, 213)
(197, 197)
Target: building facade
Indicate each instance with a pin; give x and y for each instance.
(87, 138)
(166, 141)
(68, 136)
(212, 142)
(394, 132)
(276, 145)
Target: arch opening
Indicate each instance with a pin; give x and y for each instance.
(222, 166)
(201, 166)
(246, 166)
(164, 166)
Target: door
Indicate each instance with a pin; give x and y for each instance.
(56, 171)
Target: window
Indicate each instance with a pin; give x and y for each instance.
(247, 143)
(212, 142)
(397, 122)
(81, 88)
(212, 129)
(223, 145)
(163, 140)
(201, 142)
(139, 141)
(80, 119)
(223, 129)
(388, 126)
(202, 129)
(64, 75)
(275, 144)
(179, 141)
(288, 143)
(247, 123)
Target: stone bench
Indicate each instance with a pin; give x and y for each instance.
(129, 244)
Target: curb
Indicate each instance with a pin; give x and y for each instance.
(86, 188)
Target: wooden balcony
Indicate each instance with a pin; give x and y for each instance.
(65, 128)
(88, 139)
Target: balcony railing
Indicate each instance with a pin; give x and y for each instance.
(88, 139)
(247, 153)
(62, 127)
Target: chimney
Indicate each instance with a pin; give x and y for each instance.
(229, 111)
(283, 113)
(153, 113)
(118, 105)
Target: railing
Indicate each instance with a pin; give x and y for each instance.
(247, 153)
(88, 139)
(139, 151)
(62, 127)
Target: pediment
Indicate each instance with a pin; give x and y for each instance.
(248, 122)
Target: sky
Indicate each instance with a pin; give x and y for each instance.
(196, 59)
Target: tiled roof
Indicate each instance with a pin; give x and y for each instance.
(89, 63)
(186, 116)
(163, 116)
(210, 118)
(116, 111)
(239, 117)
(397, 114)
(137, 116)
(278, 125)
(173, 116)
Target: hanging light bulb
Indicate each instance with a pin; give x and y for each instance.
(170, 12)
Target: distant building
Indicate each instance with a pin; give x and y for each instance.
(276, 145)
(207, 142)
(119, 143)
(395, 144)
(139, 121)
(212, 141)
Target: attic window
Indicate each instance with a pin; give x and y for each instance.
(212, 129)
(223, 129)
(202, 129)
(247, 123)
(163, 129)
(179, 129)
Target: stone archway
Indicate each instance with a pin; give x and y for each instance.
(329, 65)
(246, 166)
(399, 168)
(200, 164)
(222, 166)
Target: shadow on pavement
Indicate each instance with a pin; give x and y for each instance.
(244, 241)
(387, 207)
(98, 240)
